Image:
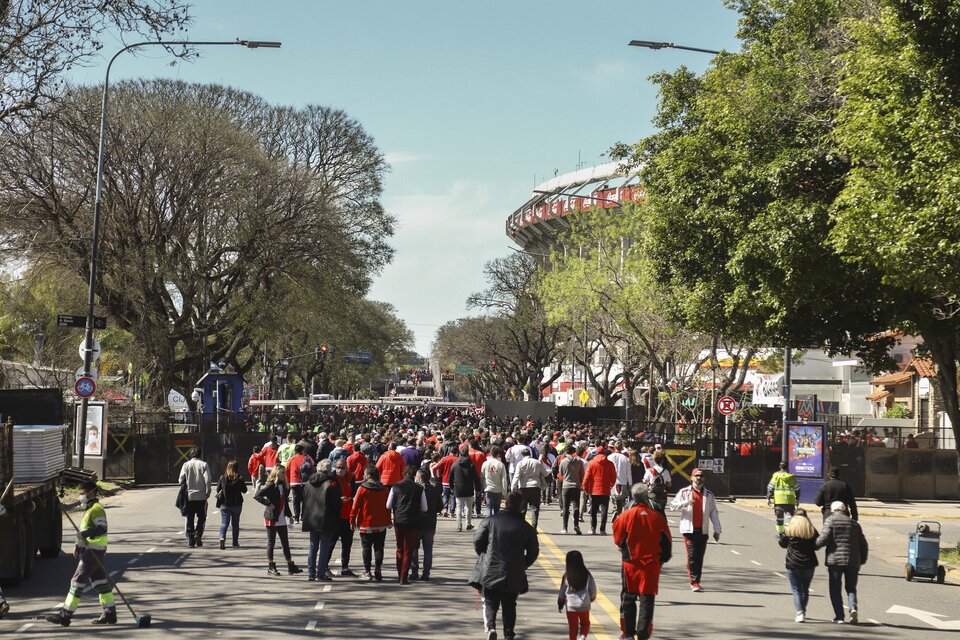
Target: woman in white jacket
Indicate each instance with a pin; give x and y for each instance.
(698, 510)
(495, 481)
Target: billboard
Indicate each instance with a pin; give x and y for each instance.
(805, 448)
(96, 429)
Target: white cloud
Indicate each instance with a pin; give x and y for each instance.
(401, 157)
(607, 74)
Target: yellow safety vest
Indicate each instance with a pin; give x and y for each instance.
(94, 516)
(785, 488)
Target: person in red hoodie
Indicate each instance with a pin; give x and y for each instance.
(391, 465)
(599, 480)
(442, 470)
(372, 518)
(478, 457)
(254, 465)
(269, 454)
(356, 463)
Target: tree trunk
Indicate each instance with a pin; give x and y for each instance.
(944, 350)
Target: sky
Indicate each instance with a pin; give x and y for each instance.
(472, 104)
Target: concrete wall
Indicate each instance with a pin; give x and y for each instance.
(912, 474)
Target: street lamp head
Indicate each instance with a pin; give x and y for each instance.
(649, 44)
(259, 44)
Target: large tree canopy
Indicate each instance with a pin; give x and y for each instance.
(218, 210)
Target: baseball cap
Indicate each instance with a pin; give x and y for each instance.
(838, 505)
(697, 472)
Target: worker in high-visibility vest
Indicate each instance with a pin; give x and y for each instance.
(90, 549)
(784, 491)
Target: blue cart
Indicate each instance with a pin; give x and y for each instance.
(923, 553)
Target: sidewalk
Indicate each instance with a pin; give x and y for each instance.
(887, 525)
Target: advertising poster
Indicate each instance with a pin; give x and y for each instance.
(96, 429)
(806, 448)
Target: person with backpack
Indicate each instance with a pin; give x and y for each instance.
(465, 483)
(427, 526)
(230, 490)
(658, 481)
(577, 591)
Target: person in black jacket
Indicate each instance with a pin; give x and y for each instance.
(321, 518)
(799, 538)
(230, 490)
(846, 551)
(407, 500)
(428, 526)
(832, 490)
(507, 546)
(465, 483)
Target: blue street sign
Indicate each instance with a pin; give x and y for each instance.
(85, 387)
(358, 357)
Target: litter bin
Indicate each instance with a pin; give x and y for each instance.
(923, 553)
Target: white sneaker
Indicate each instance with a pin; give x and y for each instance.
(800, 617)
(563, 530)
(853, 616)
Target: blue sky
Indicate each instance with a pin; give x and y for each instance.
(472, 103)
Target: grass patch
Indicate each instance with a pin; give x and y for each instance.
(950, 556)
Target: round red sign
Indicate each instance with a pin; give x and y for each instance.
(726, 405)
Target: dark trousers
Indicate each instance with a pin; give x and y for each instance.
(494, 600)
(599, 504)
(272, 533)
(447, 498)
(532, 496)
(371, 545)
(696, 544)
(318, 556)
(345, 536)
(843, 578)
(636, 610)
(478, 504)
(196, 517)
(406, 546)
(570, 497)
(426, 541)
(296, 501)
(230, 516)
(493, 503)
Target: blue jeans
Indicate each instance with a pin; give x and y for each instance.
(800, 585)
(318, 557)
(848, 575)
(426, 540)
(230, 516)
(493, 503)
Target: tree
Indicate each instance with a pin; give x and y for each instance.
(40, 40)
(218, 211)
(475, 342)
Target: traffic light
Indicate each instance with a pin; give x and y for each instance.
(324, 349)
(493, 363)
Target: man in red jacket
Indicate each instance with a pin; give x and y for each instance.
(356, 463)
(442, 471)
(599, 481)
(643, 537)
(391, 465)
(254, 465)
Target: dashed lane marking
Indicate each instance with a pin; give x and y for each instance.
(778, 574)
(320, 605)
(312, 625)
(756, 563)
(556, 575)
(133, 561)
(734, 552)
(150, 550)
(24, 627)
(326, 588)
(879, 624)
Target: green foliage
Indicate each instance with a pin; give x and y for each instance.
(898, 411)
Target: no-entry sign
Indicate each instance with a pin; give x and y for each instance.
(726, 405)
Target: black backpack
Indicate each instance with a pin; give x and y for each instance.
(659, 488)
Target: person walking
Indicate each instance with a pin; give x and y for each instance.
(407, 501)
(658, 481)
(427, 526)
(442, 470)
(391, 465)
(846, 553)
(698, 510)
(299, 469)
(230, 489)
(90, 550)
(621, 492)
(255, 468)
(195, 475)
(643, 537)
(465, 483)
(784, 490)
(799, 538)
(506, 546)
(495, 480)
(571, 470)
(529, 478)
(599, 480)
(371, 517)
(321, 519)
(832, 490)
(274, 495)
(344, 534)
(577, 591)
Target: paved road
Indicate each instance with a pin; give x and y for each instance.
(203, 593)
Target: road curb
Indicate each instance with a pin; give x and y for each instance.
(757, 504)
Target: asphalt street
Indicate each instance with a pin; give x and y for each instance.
(205, 592)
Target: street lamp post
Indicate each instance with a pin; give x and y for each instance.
(648, 44)
(101, 152)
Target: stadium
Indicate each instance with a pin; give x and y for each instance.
(535, 223)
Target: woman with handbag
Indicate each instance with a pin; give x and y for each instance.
(230, 490)
(276, 515)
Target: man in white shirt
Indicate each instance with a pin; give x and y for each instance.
(515, 453)
(621, 492)
(195, 475)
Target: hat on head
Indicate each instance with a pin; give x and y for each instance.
(697, 472)
(838, 505)
(90, 485)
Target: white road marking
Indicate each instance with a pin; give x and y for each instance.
(777, 573)
(150, 550)
(133, 561)
(879, 624)
(319, 606)
(756, 563)
(932, 619)
(167, 540)
(735, 552)
(24, 627)
(312, 625)
(183, 556)
(326, 588)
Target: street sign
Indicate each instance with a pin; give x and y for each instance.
(726, 405)
(96, 350)
(584, 397)
(465, 370)
(358, 357)
(93, 374)
(85, 387)
(79, 322)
